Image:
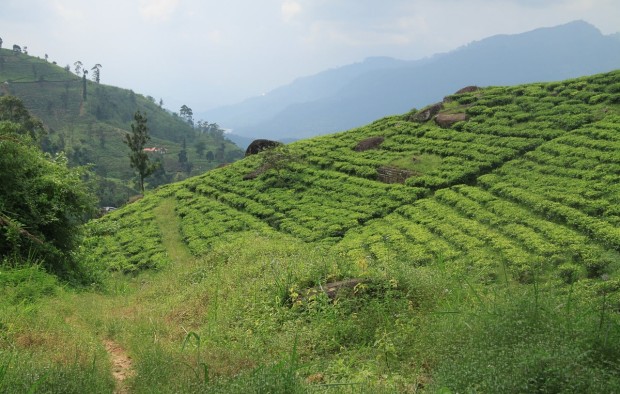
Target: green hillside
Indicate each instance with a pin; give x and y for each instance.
(471, 246)
(90, 129)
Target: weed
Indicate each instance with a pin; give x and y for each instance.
(204, 379)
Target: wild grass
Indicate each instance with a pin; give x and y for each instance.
(421, 164)
(228, 322)
(527, 340)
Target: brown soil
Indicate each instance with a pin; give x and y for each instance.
(121, 365)
(369, 143)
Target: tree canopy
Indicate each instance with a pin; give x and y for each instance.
(43, 202)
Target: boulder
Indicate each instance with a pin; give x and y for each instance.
(369, 143)
(447, 120)
(467, 89)
(426, 114)
(260, 145)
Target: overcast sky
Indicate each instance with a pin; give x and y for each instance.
(206, 53)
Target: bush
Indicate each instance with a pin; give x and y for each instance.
(25, 284)
(42, 202)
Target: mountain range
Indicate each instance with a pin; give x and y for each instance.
(353, 95)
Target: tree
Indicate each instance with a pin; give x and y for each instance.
(136, 140)
(161, 102)
(42, 202)
(278, 161)
(186, 165)
(13, 110)
(187, 114)
(78, 67)
(200, 148)
(210, 157)
(159, 176)
(0, 43)
(17, 49)
(96, 72)
(46, 57)
(84, 84)
(219, 153)
(25, 50)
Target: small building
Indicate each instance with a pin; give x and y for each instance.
(161, 151)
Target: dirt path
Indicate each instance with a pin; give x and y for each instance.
(121, 365)
(171, 238)
(167, 221)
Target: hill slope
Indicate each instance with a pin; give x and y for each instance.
(545, 54)
(90, 128)
(493, 266)
(520, 146)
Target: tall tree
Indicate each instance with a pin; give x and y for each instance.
(17, 49)
(187, 114)
(84, 84)
(136, 140)
(96, 72)
(200, 148)
(78, 67)
(0, 42)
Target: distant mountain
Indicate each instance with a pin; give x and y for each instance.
(306, 89)
(354, 95)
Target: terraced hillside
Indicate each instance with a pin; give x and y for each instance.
(531, 175)
(88, 121)
(470, 246)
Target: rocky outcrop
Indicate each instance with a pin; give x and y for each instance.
(447, 120)
(260, 145)
(369, 143)
(426, 114)
(389, 174)
(467, 89)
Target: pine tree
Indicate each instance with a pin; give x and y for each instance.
(136, 140)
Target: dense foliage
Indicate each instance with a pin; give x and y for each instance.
(42, 202)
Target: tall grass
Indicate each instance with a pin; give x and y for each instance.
(530, 340)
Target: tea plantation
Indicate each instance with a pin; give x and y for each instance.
(470, 246)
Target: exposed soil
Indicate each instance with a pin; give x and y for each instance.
(369, 143)
(121, 365)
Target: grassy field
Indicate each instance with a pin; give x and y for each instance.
(493, 268)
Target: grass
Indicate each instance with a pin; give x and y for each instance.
(420, 163)
(225, 322)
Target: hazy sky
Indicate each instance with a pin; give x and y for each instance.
(205, 53)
